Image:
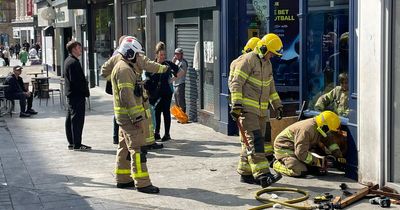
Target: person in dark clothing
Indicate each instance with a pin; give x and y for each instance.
(26, 45)
(16, 91)
(17, 49)
(160, 91)
(76, 90)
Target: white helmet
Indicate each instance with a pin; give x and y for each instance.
(129, 47)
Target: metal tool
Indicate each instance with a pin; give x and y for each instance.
(383, 202)
(249, 149)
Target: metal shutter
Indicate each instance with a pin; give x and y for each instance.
(186, 38)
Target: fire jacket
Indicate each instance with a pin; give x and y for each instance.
(127, 84)
(299, 138)
(252, 84)
(336, 100)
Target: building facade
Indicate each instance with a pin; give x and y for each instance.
(7, 14)
(24, 22)
(322, 39)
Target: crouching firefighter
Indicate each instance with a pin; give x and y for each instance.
(251, 86)
(131, 116)
(293, 146)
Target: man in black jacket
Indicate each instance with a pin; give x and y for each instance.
(16, 91)
(76, 90)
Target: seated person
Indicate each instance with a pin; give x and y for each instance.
(294, 146)
(16, 91)
(337, 100)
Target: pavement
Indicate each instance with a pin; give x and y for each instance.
(195, 170)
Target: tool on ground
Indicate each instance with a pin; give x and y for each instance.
(249, 149)
(343, 188)
(323, 198)
(383, 202)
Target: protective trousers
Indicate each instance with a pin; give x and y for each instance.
(255, 164)
(290, 166)
(268, 148)
(131, 156)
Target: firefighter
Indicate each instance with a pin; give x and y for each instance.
(293, 146)
(249, 47)
(336, 100)
(145, 63)
(131, 115)
(252, 87)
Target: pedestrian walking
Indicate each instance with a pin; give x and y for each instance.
(12, 50)
(6, 56)
(131, 116)
(179, 84)
(23, 56)
(76, 90)
(17, 50)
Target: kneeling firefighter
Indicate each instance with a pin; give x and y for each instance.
(293, 146)
(252, 86)
(131, 116)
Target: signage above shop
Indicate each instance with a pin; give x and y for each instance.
(29, 7)
(77, 4)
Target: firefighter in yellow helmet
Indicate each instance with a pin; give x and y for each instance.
(130, 113)
(252, 89)
(250, 45)
(292, 147)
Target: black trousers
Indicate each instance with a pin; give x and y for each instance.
(163, 106)
(23, 100)
(75, 120)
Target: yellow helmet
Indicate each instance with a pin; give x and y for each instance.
(250, 45)
(327, 119)
(270, 43)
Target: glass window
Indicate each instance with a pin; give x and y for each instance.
(327, 56)
(283, 21)
(104, 17)
(208, 65)
(395, 173)
(134, 20)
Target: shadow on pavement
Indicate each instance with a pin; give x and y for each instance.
(208, 197)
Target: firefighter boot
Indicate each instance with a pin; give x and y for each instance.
(268, 179)
(149, 189)
(126, 185)
(249, 179)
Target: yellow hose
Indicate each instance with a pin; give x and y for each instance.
(289, 203)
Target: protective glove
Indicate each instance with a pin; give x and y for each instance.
(236, 112)
(320, 163)
(280, 113)
(341, 160)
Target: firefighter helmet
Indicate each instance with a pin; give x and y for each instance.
(270, 43)
(129, 47)
(250, 45)
(327, 121)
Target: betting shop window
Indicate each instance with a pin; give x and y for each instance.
(327, 59)
(284, 22)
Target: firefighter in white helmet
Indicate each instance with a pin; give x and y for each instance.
(131, 115)
(252, 89)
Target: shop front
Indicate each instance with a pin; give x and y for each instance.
(318, 50)
(194, 27)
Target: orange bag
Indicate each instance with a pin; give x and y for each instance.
(179, 114)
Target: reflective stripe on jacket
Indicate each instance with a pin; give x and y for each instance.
(252, 85)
